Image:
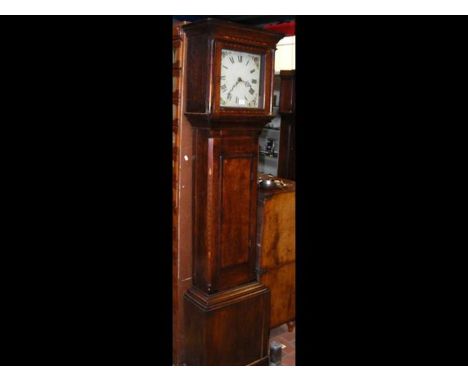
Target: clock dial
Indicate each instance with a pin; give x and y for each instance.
(240, 79)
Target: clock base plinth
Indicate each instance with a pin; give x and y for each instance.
(229, 328)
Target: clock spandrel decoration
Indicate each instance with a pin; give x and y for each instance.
(229, 82)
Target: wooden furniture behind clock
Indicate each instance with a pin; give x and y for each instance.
(228, 101)
(287, 110)
(276, 245)
(181, 193)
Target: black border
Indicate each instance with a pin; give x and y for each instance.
(380, 280)
(86, 260)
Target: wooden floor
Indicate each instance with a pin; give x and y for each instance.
(281, 335)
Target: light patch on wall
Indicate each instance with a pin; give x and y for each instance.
(285, 57)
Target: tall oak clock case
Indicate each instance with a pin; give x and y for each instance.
(226, 309)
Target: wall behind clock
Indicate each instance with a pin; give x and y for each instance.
(285, 57)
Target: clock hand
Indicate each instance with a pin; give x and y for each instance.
(239, 80)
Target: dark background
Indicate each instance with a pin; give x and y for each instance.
(86, 181)
(86, 257)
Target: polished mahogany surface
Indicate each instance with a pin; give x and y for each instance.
(287, 110)
(276, 247)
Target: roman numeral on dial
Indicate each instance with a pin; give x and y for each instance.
(239, 58)
(231, 59)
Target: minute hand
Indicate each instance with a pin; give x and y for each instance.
(239, 80)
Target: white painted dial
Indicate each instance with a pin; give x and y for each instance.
(240, 79)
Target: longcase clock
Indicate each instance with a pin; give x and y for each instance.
(228, 101)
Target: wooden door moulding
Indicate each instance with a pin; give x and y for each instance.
(182, 196)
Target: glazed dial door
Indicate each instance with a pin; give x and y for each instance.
(240, 79)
